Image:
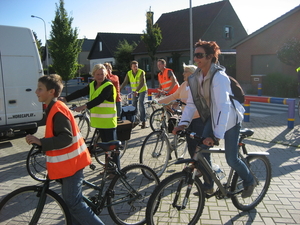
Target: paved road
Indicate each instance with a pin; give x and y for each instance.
(280, 206)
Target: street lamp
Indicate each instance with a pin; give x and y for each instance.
(46, 47)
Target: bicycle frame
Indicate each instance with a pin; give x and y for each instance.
(101, 199)
(222, 187)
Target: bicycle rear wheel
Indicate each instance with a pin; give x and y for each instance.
(130, 193)
(83, 125)
(19, 207)
(157, 117)
(36, 164)
(155, 152)
(167, 203)
(261, 168)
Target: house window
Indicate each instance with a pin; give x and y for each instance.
(100, 46)
(228, 32)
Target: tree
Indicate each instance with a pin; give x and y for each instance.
(38, 45)
(289, 52)
(64, 44)
(152, 38)
(123, 55)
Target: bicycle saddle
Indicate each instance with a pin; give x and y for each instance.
(246, 132)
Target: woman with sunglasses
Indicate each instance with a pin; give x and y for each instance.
(222, 116)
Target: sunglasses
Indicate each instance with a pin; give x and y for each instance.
(200, 55)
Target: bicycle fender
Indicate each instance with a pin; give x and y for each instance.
(258, 153)
(184, 161)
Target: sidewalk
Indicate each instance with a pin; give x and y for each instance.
(281, 204)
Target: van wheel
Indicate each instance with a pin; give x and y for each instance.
(31, 131)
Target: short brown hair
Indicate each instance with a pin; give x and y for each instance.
(133, 62)
(210, 48)
(162, 61)
(52, 81)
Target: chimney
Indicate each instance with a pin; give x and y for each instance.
(150, 14)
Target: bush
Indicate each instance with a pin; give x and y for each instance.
(279, 85)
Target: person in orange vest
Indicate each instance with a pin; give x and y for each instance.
(62, 139)
(167, 80)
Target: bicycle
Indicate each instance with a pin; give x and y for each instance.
(125, 198)
(36, 160)
(131, 113)
(157, 148)
(172, 199)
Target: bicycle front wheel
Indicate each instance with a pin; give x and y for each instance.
(181, 146)
(19, 207)
(155, 152)
(83, 125)
(36, 164)
(172, 202)
(130, 192)
(156, 118)
(261, 169)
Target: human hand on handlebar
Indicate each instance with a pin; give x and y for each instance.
(177, 129)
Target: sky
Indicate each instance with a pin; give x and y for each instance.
(127, 16)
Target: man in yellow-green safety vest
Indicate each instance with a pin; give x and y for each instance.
(138, 84)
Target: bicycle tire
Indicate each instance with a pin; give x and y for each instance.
(100, 155)
(19, 206)
(155, 152)
(261, 168)
(299, 108)
(83, 125)
(149, 109)
(181, 147)
(155, 120)
(36, 164)
(173, 189)
(134, 196)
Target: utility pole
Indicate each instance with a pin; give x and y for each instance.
(46, 46)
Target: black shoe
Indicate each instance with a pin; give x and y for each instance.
(247, 192)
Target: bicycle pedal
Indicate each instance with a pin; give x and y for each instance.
(92, 167)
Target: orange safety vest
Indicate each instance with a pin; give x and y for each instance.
(66, 161)
(165, 81)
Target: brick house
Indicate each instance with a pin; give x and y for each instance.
(256, 54)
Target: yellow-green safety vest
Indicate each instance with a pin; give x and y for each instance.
(135, 80)
(103, 115)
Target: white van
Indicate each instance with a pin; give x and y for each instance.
(20, 68)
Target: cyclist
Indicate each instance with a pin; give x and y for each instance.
(102, 104)
(62, 139)
(137, 79)
(222, 116)
(167, 80)
(182, 93)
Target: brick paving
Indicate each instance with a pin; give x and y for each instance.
(281, 204)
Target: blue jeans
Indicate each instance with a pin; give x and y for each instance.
(231, 153)
(72, 194)
(196, 126)
(207, 132)
(119, 109)
(141, 99)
